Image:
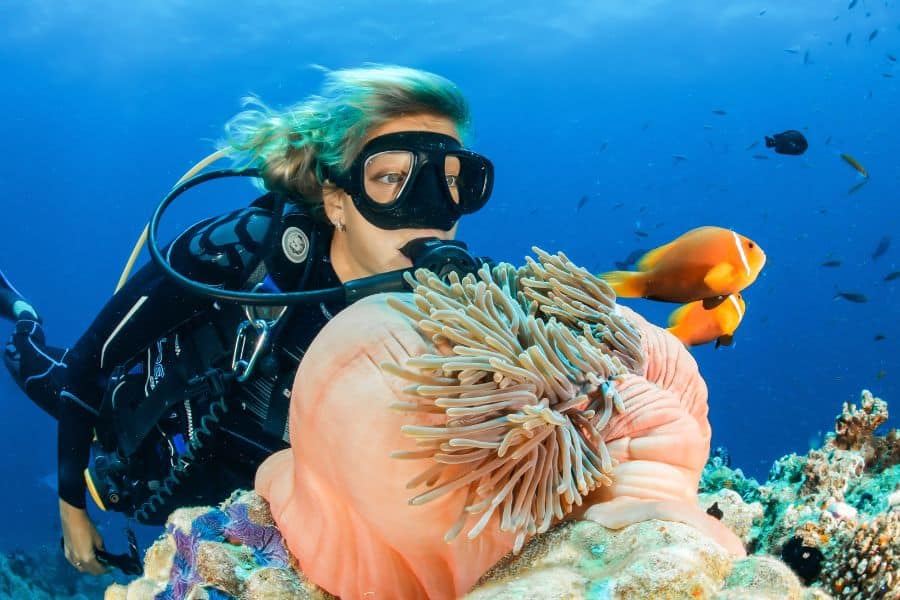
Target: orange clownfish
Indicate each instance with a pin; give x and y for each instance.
(695, 325)
(707, 263)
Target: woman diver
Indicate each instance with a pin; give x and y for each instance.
(181, 395)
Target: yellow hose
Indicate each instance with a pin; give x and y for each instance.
(143, 239)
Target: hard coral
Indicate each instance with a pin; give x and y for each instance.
(863, 563)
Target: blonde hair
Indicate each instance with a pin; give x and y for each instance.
(291, 146)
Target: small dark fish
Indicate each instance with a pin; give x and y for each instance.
(646, 125)
(788, 142)
(618, 205)
(760, 157)
(828, 140)
(762, 12)
(881, 374)
(752, 145)
(857, 187)
(892, 276)
(831, 263)
(603, 146)
(791, 51)
(806, 58)
(707, 127)
(852, 4)
(581, 202)
(891, 57)
(883, 244)
(879, 336)
(873, 35)
(720, 112)
(715, 512)
(640, 233)
(677, 158)
(887, 75)
(852, 297)
(660, 224)
(631, 259)
(847, 39)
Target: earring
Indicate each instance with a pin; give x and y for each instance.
(340, 226)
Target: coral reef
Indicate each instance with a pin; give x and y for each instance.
(44, 574)
(233, 551)
(833, 514)
(843, 538)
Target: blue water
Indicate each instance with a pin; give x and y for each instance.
(105, 104)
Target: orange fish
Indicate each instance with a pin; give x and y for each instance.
(707, 263)
(695, 325)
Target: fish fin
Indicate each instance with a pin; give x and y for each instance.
(626, 284)
(678, 315)
(724, 340)
(719, 277)
(711, 303)
(649, 260)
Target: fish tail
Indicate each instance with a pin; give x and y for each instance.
(626, 284)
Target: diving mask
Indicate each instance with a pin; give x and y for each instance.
(416, 180)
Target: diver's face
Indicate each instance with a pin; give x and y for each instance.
(364, 249)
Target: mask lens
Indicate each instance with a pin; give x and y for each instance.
(471, 182)
(387, 175)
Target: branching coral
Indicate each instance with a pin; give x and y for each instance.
(525, 382)
(864, 562)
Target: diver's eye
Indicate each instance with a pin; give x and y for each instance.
(452, 180)
(391, 178)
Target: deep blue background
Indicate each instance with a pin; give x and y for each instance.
(104, 107)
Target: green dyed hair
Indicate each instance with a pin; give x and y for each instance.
(291, 146)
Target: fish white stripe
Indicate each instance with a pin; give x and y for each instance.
(134, 309)
(737, 307)
(740, 249)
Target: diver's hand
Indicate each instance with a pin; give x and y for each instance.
(80, 537)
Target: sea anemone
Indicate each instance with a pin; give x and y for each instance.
(525, 377)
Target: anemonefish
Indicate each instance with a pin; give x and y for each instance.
(707, 263)
(695, 325)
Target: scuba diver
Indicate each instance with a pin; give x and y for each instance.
(179, 389)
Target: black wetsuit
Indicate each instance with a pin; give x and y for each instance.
(157, 330)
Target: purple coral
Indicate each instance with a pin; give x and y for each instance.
(264, 540)
(230, 524)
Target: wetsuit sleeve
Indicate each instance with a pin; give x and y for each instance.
(220, 252)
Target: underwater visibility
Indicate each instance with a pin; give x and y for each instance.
(417, 299)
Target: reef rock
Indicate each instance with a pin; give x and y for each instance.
(653, 559)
